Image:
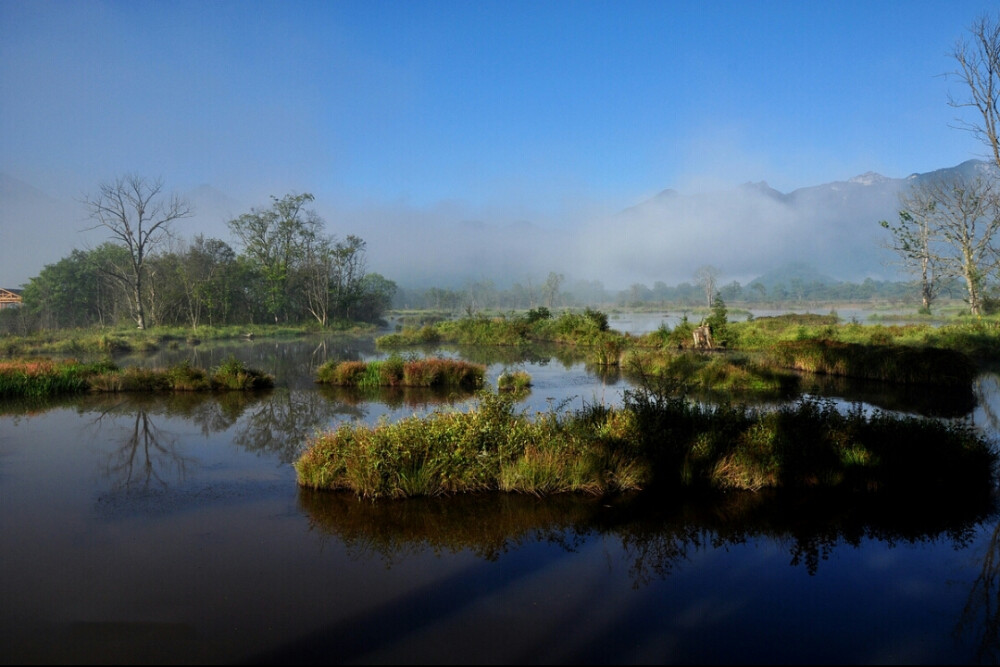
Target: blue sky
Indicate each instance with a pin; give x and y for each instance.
(478, 101)
(514, 110)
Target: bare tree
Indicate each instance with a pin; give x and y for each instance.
(138, 216)
(913, 238)
(979, 69)
(551, 288)
(961, 217)
(708, 277)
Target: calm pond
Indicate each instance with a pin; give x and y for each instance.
(170, 529)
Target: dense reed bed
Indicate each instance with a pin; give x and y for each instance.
(654, 440)
(397, 372)
(41, 378)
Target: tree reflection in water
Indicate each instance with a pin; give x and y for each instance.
(147, 456)
(282, 424)
(981, 614)
(986, 388)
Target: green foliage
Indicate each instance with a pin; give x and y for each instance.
(539, 313)
(185, 377)
(233, 374)
(608, 350)
(681, 334)
(514, 381)
(599, 319)
(717, 322)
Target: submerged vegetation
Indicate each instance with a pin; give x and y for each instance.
(656, 439)
(41, 378)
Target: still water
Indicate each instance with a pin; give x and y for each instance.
(171, 529)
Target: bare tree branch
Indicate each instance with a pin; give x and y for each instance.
(137, 215)
(979, 69)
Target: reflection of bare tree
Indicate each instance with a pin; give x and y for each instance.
(283, 423)
(987, 390)
(981, 614)
(147, 456)
(655, 552)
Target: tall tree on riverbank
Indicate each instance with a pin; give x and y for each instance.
(138, 216)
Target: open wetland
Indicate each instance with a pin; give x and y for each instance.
(170, 528)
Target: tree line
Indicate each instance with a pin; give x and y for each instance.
(481, 295)
(284, 269)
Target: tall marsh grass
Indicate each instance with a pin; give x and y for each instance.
(726, 374)
(657, 439)
(487, 448)
(432, 372)
(40, 378)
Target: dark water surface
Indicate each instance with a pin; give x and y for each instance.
(171, 529)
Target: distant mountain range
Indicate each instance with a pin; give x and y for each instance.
(751, 229)
(744, 232)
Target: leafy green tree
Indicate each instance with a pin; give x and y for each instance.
(205, 277)
(377, 293)
(717, 321)
(77, 290)
(348, 275)
(275, 240)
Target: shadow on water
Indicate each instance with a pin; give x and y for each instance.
(657, 532)
(928, 401)
(656, 538)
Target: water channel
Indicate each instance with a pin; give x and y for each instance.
(170, 529)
